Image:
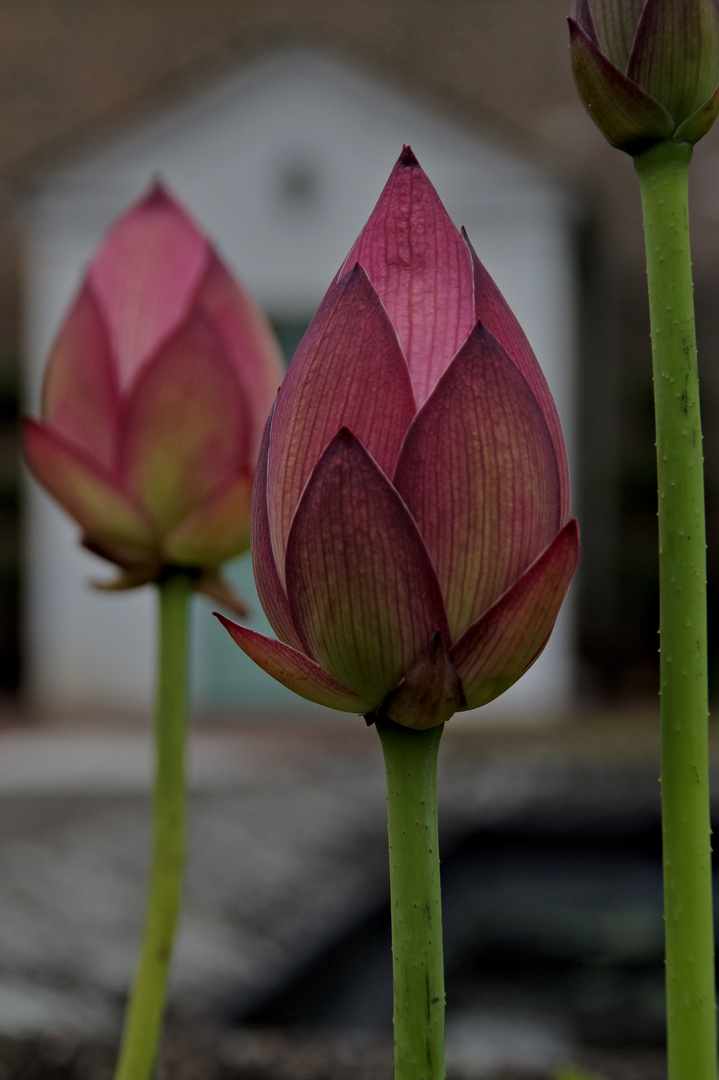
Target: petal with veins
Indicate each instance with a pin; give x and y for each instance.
(269, 587)
(217, 529)
(184, 427)
(500, 646)
(144, 277)
(363, 593)
(295, 670)
(91, 496)
(80, 392)
(348, 371)
(415, 258)
(479, 475)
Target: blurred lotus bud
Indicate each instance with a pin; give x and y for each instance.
(156, 392)
(647, 71)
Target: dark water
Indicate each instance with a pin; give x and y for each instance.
(557, 927)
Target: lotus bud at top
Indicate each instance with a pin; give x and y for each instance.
(647, 70)
(411, 537)
(155, 396)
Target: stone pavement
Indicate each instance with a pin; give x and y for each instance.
(287, 846)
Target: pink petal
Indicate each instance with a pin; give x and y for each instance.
(496, 315)
(184, 428)
(217, 530)
(363, 593)
(479, 476)
(415, 258)
(269, 587)
(429, 695)
(250, 341)
(91, 496)
(500, 646)
(145, 276)
(629, 117)
(294, 670)
(80, 394)
(348, 371)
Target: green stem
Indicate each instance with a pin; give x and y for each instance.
(143, 1021)
(691, 1023)
(411, 765)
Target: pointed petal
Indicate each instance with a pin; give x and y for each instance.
(429, 695)
(250, 341)
(581, 12)
(496, 316)
(616, 23)
(676, 53)
(91, 496)
(294, 670)
(348, 371)
(629, 117)
(478, 474)
(500, 646)
(363, 593)
(80, 394)
(144, 277)
(697, 125)
(184, 426)
(414, 257)
(269, 587)
(218, 529)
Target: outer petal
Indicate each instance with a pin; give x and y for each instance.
(250, 343)
(428, 695)
(581, 12)
(363, 593)
(185, 424)
(218, 529)
(695, 126)
(269, 587)
(629, 117)
(295, 670)
(416, 261)
(80, 393)
(91, 496)
(348, 371)
(500, 646)
(496, 315)
(479, 475)
(676, 53)
(615, 23)
(144, 277)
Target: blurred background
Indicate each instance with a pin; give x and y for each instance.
(277, 123)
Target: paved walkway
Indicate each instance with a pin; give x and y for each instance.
(287, 846)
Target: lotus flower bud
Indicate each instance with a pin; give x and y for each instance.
(155, 396)
(411, 536)
(647, 70)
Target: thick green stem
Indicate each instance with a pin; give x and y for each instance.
(411, 765)
(691, 1022)
(143, 1022)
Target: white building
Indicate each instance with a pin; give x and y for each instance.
(281, 163)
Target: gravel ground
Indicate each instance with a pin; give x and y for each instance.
(273, 1055)
(287, 847)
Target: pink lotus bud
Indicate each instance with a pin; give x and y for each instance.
(155, 396)
(647, 70)
(410, 523)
